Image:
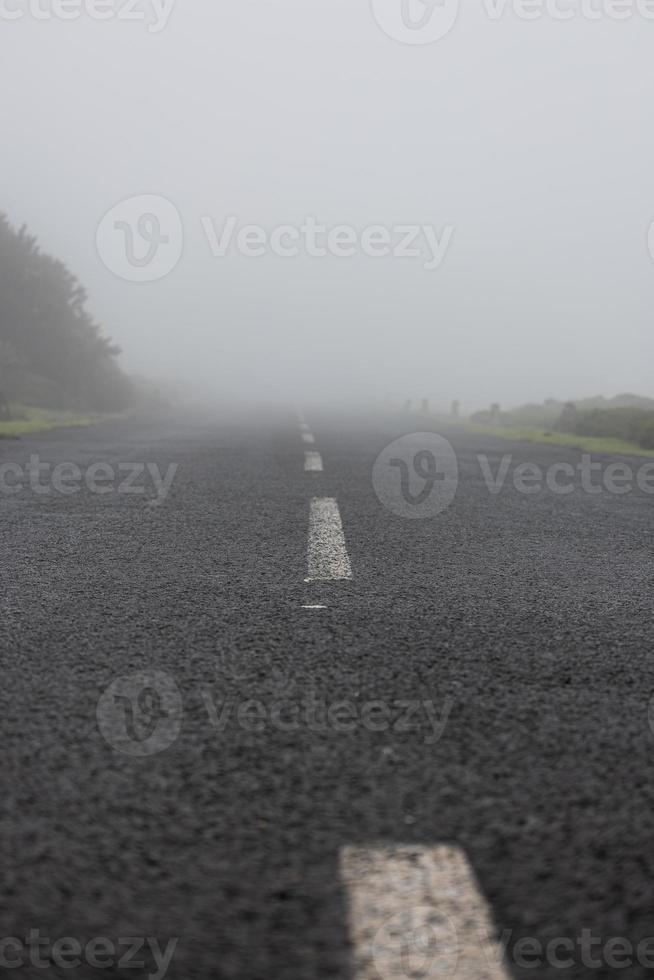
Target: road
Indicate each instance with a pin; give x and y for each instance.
(274, 839)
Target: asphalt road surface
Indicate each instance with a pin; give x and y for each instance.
(261, 714)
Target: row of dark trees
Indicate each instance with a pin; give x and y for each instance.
(52, 353)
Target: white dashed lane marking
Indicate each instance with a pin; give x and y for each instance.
(328, 559)
(418, 912)
(312, 462)
(307, 437)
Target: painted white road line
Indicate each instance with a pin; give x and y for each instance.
(305, 427)
(314, 607)
(328, 557)
(308, 438)
(312, 462)
(417, 912)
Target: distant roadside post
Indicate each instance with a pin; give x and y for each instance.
(568, 420)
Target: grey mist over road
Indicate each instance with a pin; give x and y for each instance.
(273, 198)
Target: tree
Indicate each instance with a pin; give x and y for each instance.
(52, 336)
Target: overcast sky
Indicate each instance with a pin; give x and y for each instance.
(525, 146)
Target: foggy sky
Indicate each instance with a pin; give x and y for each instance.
(532, 139)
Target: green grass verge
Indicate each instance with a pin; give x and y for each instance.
(590, 444)
(29, 420)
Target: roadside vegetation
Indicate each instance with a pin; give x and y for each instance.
(25, 421)
(623, 425)
(57, 368)
(634, 425)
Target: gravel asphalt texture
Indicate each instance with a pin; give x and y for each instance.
(526, 620)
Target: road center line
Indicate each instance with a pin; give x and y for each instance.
(328, 557)
(312, 462)
(308, 438)
(418, 912)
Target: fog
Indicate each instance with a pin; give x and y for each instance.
(519, 143)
